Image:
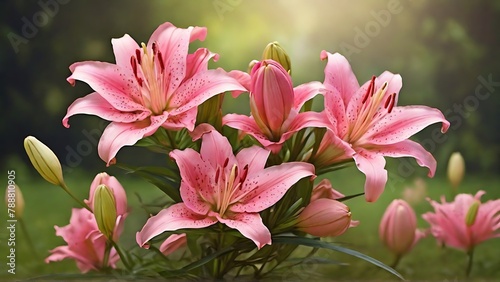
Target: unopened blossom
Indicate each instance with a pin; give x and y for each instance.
(365, 124)
(120, 208)
(158, 84)
(466, 222)
(398, 228)
(456, 169)
(324, 217)
(44, 160)
(218, 186)
(275, 105)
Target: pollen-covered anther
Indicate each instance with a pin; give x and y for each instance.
(160, 60)
(370, 90)
(133, 63)
(389, 103)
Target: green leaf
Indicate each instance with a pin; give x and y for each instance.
(315, 243)
(205, 260)
(165, 178)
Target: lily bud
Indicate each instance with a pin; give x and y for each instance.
(272, 97)
(470, 217)
(14, 200)
(114, 186)
(398, 227)
(274, 51)
(44, 160)
(324, 217)
(456, 169)
(105, 210)
(250, 65)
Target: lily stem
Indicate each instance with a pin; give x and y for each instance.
(396, 261)
(28, 238)
(470, 254)
(66, 189)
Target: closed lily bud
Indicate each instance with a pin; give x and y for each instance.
(105, 210)
(274, 51)
(272, 97)
(324, 217)
(44, 160)
(116, 189)
(14, 200)
(456, 169)
(398, 228)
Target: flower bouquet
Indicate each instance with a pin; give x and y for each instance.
(245, 193)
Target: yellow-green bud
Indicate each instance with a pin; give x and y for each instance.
(275, 52)
(471, 215)
(14, 199)
(105, 210)
(456, 169)
(44, 160)
(250, 65)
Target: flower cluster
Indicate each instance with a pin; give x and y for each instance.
(241, 187)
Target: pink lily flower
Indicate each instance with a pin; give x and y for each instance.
(86, 245)
(218, 186)
(365, 124)
(120, 198)
(275, 105)
(156, 84)
(465, 222)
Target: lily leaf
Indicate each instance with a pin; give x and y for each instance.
(315, 243)
(165, 178)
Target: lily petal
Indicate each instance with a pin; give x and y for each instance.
(124, 48)
(215, 149)
(335, 111)
(266, 188)
(95, 104)
(372, 166)
(175, 217)
(110, 82)
(173, 43)
(306, 92)
(198, 176)
(409, 148)
(246, 124)
(255, 157)
(201, 87)
(251, 226)
(198, 61)
(117, 135)
(403, 122)
(339, 75)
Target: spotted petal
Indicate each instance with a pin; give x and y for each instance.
(173, 218)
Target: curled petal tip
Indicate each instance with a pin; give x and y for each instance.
(323, 55)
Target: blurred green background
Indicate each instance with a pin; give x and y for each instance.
(447, 54)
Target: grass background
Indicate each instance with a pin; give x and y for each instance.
(47, 205)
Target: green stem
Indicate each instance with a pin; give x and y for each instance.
(469, 263)
(65, 188)
(28, 238)
(396, 261)
(107, 251)
(123, 258)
